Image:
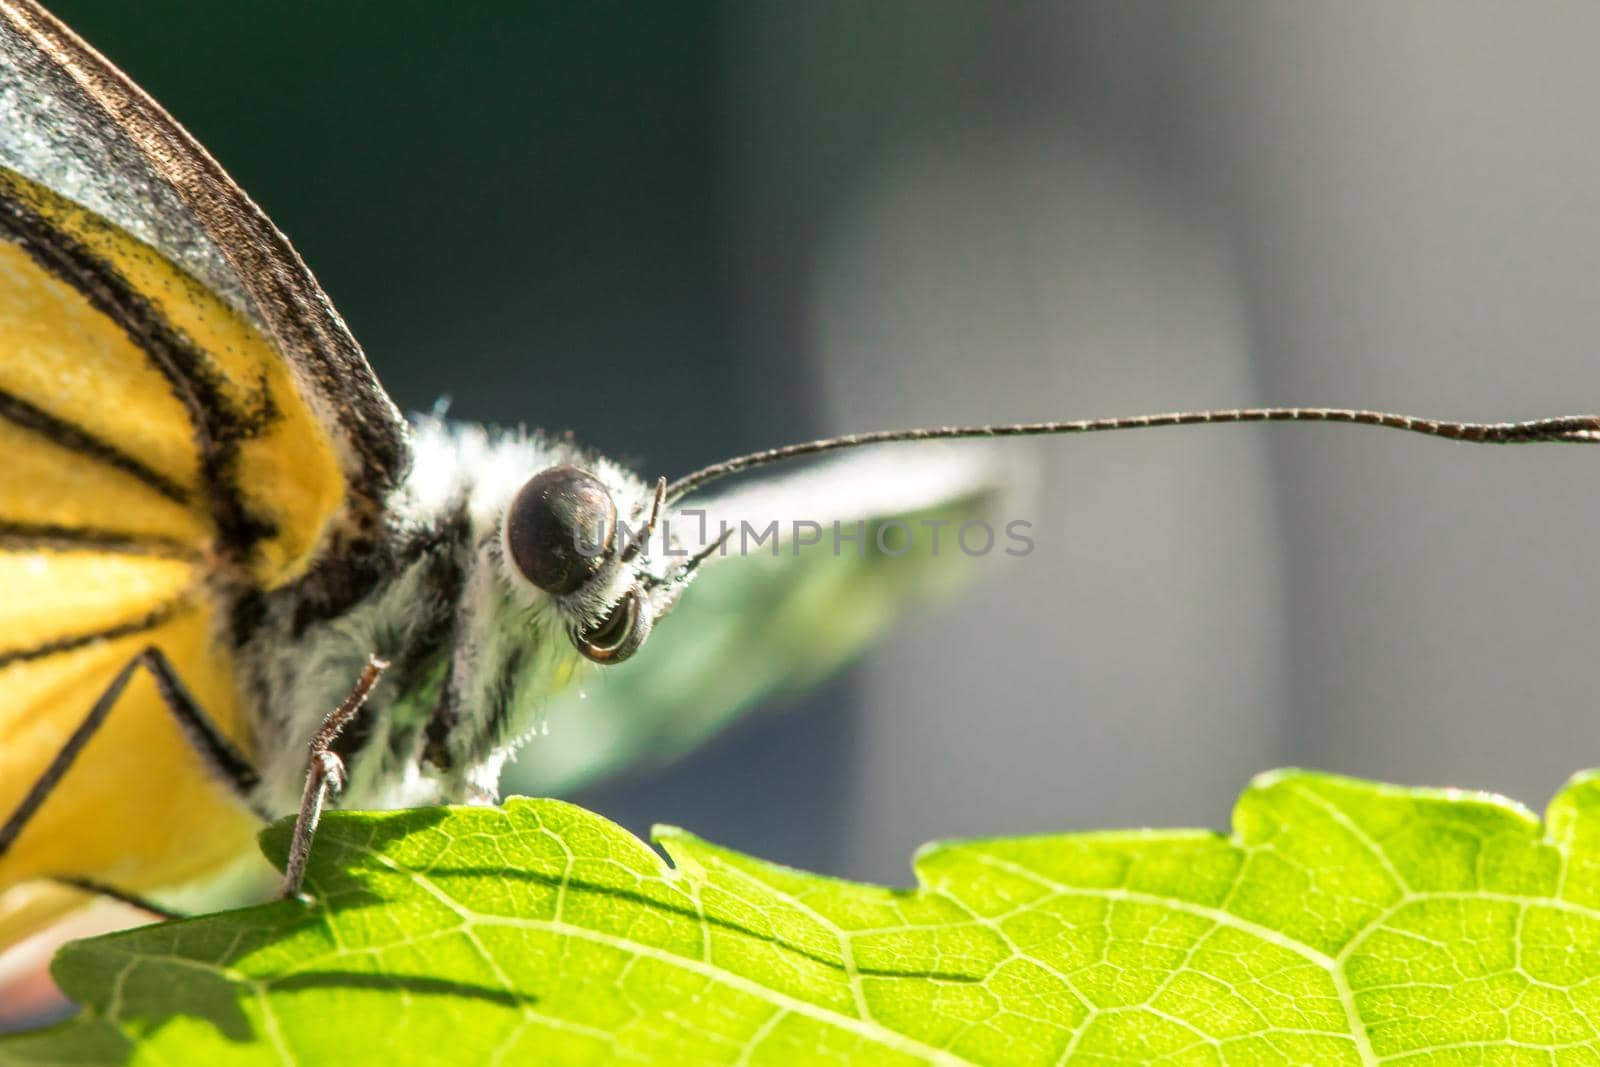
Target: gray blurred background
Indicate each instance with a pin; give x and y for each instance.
(689, 230)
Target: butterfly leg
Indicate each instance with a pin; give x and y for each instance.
(324, 775)
(222, 757)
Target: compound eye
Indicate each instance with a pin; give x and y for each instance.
(559, 529)
(618, 635)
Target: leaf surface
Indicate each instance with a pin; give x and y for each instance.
(1341, 923)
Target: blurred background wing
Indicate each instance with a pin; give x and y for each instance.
(774, 618)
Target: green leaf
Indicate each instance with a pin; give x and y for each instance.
(1342, 923)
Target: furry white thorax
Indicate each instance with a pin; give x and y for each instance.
(504, 653)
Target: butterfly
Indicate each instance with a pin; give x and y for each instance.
(235, 580)
(212, 517)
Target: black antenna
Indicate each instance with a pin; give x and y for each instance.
(1578, 428)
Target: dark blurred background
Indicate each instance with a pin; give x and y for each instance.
(695, 229)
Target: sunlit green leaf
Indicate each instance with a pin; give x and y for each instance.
(1341, 923)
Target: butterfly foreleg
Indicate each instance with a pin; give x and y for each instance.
(324, 774)
(221, 756)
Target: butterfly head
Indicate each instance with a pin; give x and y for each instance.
(564, 534)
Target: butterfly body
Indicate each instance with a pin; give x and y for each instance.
(474, 655)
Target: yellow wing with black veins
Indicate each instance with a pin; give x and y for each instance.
(138, 405)
(71, 122)
(155, 445)
(184, 420)
(137, 811)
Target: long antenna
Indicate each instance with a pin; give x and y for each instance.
(1577, 428)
